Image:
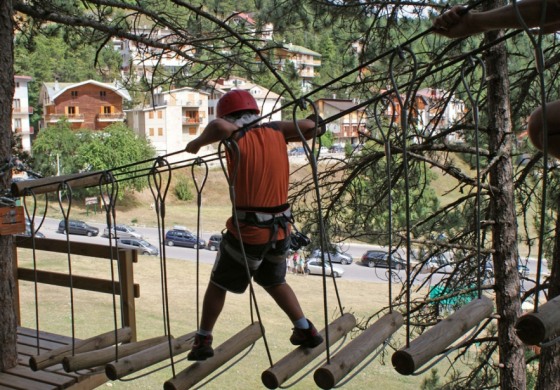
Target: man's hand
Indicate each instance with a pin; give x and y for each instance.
(455, 23)
(192, 147)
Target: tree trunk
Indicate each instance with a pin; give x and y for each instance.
(8, 322)
(549, 374)
(500, 139)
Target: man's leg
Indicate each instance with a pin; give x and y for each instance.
(304, 333)
(214, 300)
(212, 306)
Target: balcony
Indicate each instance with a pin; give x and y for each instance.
(115, 117)
(54, 118)
(191, 121)
(22, 110)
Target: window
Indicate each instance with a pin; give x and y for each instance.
(17, 105)
(211, 110)
(151, 131)
(74, 94)
(102, 93)
(151, 115)
(160, 114)
(17, 84)
(72, 110)
(106, 109)
(17, 124)
(160, 131)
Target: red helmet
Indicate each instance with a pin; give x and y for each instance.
(234, 101)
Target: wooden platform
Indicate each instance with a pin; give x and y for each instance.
(23, 378)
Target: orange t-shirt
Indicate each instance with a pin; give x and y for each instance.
(262, 177)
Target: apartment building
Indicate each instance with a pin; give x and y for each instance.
(21, 112)
(346, 128)
(85, 105)
(171, 120)
(304, 61)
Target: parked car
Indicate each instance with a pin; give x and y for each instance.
(185, 238)
(27, 232)
(335, 257)
(337, 149)
(214, 242)
(439, 263)
(380, 258)
(77, 227)
(315, 267)
(523, 270)
(123, 231)
(142, 246)
(297, 151)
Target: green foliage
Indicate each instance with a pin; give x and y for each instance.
(114, 147)
(182, 189)
(54, 150)
(327, 139)
(431, 382)
(58, 149)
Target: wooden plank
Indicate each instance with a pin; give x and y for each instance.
(129, 291)
(50, 378)
(79, 282)
(43, 344)
(16, 382)
(76, 248)
(43, 335)
(51, 184)
(12, 220)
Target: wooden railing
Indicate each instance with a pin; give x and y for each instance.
(125, 257)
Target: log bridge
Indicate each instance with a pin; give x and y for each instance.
(54, 376)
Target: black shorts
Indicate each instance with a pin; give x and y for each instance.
(267, 265)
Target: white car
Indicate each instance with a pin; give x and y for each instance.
(123, 231)
(315, 267)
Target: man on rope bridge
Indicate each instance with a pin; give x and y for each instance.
(259, 245)
(458, 23)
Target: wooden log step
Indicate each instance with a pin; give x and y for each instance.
(222, 354)
(103, 356)
(56, 356)
(293, 362)
(148, 357)
(535, 328)
(327, 376)
(436, 339)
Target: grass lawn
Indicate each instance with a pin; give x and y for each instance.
(94, 315)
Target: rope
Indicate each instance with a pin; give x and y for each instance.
(64, 190)
(199, 188)
(474, 103)
(31, 218)
(108, 191)
(159, 191)
(404, 125)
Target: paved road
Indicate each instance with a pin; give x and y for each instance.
(353, 271)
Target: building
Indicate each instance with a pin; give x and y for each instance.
(171, 120)
(86, 105)
(346, 128)
(434, 110)
(21, 112)
(304, 61)
(140, 61)
(267, 100)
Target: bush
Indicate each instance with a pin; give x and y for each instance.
(182, 189)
